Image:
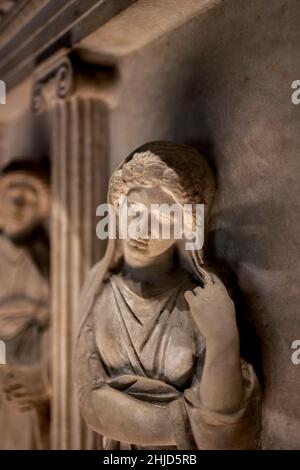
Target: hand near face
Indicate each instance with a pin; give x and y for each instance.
(213, 311)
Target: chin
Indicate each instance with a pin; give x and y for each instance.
(138, 252)
(19, 233)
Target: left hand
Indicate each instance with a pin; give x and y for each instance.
(213, 311)
(25, 388)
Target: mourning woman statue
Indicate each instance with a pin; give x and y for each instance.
(158, 357)
(24, 306)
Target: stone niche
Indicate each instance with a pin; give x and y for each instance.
(213, 74)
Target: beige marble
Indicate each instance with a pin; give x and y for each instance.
(158, 362)
(24, 309)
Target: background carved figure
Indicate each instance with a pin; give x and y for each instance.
(24, 306)
(158, 356)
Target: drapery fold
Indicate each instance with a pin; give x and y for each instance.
(111, 352)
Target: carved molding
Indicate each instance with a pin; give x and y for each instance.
(17, 16)
(56, 82)
(33, 30)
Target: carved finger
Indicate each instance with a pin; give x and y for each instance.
(19, 393)
(23, 401)
(206, 277)
(25, 407)
(217, 281)
(198, 290)
(217, 286)
(10, 388)
(189, 296)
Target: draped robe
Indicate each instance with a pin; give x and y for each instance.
(151, 349)
(24, 322)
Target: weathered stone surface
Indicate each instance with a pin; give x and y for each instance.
(222, 81)
(79, 182)
(216, 75)
(158, 361)
(24, 313)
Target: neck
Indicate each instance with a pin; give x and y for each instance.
(150, 269)
(26, 238)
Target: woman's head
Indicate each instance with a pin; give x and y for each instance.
(161, 173)
(24, 199)
(163, 169)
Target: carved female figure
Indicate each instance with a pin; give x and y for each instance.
(158, 361)
(24, 306)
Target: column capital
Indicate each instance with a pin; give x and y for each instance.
(52, 82)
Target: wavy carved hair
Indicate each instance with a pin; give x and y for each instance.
(179, 170)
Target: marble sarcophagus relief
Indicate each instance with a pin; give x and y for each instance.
(215, 80)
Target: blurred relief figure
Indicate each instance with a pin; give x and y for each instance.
(24, 306)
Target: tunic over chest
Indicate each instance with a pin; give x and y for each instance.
(153, 337)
